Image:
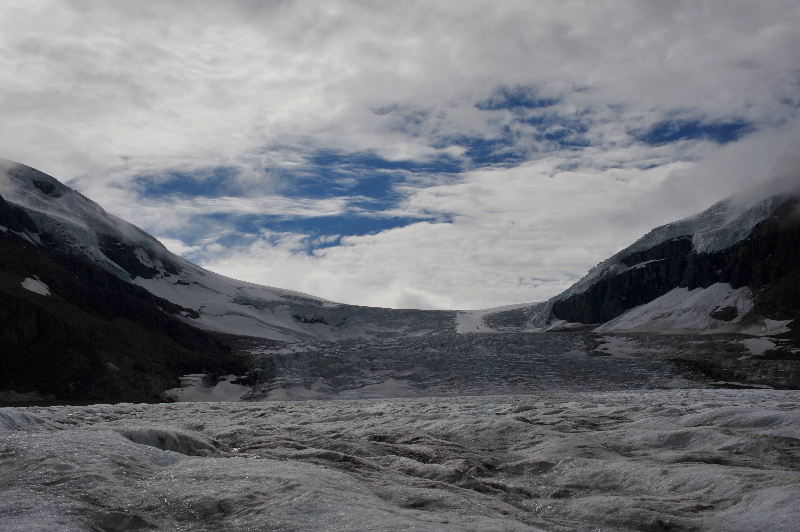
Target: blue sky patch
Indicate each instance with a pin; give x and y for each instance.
(366, 179)
(515, 98)
(361, 162)
(332, 174)
(322, 231)
(674, 130)
(325, 226)
(210, 183)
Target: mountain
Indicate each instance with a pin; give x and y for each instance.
(93, 308)
(75, 225)
(75, 331)
(733, 268)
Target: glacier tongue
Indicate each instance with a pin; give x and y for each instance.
(615, 461)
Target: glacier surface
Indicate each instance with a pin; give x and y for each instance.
(706, 460)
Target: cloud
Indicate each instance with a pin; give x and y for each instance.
(515, 98)
(544, 248)
(168, 81)
(433, 153)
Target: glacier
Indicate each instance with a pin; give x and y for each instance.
(715, 460)
(366, 419)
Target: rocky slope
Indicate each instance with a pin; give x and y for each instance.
(769, 256)
(738, 264)
(72, 330)
(93, 308)
(77, 226)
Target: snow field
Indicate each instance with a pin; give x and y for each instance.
(717, 460)
(681, 311)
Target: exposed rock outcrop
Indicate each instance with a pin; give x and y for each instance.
(97, 337)
(767, 260)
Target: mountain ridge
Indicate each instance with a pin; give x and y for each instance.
(94, 308)
(729, 243)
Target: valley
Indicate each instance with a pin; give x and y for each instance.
(139, 391)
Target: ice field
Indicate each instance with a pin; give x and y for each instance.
(688, 459)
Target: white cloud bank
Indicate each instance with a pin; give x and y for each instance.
(101, 93)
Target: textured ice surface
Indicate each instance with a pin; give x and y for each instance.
(471, 321)
(456, 364)
(716, 460)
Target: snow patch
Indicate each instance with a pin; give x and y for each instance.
(684, 310)
(758, 346)
(765, 327)
(36, 286)
(194, 389)
(471, 321)
(618, 346)
(563, 325)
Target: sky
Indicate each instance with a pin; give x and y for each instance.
(407, 154)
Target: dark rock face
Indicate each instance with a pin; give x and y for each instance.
(303, 319)
(769, 253)
(15, 218)
(125, 257)
(96, 337)
(768, 261)
(48, 189)
(724, 313)
(652, 273)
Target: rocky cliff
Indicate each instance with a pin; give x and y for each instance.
(72, 330)
(766, 260)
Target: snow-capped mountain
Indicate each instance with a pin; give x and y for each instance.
(732, 268)
(71, 222)
(93, 307)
